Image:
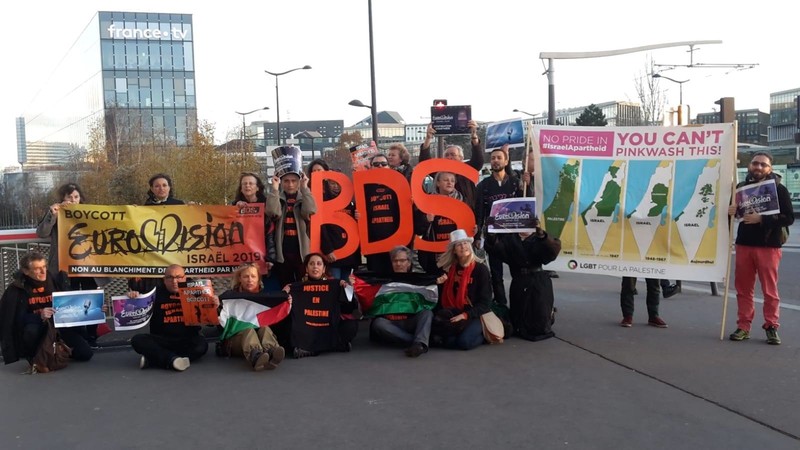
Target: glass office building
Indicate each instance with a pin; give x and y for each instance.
(133, 72)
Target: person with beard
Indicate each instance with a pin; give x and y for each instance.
(334, 237)
(170, 344)
(758, 252)
(463, 184)
(290, 204)
(383, 216)
(502, 184)
(27, 306)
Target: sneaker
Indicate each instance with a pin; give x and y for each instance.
(553, 316)
(143, 364)
(258, 359)
(627, 322)
(416, 349)
(657, 322)
(740, 335)
(180, 364)
(772, 336)
(276, 355)
(671, 290)
(300, 353)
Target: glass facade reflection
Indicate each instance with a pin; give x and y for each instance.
(132, 71)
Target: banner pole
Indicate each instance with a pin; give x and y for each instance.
(731, 245)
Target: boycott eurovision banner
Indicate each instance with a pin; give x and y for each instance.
(513, 215)
(637, 201)
(141, 241)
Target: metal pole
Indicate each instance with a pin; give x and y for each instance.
(277, 113)
(551, 93)
(372, 76)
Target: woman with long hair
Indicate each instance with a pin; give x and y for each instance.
(465, 296)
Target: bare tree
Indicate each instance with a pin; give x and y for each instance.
(651, 97)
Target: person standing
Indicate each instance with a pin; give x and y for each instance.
(161, 191)
(758, 252)
(463, 184)
(290, 204)
(502, 184)
(653, 300)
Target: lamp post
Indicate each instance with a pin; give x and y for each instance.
(680, 85)
(277, 99)
(241, 146)
(680, 95)
(523, 112)
(360, 104)
(374, 106)
(246, 114)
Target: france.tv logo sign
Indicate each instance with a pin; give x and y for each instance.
(149, 33)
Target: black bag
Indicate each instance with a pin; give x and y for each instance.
(53, 353)
(442, 326)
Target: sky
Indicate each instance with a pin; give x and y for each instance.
(484, 54)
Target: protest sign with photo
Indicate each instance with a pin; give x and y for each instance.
(505, 132)
(361, 155)
(75, 308)
(287, 159)
(451, 119)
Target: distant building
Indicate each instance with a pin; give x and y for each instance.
(753, 125)
(132, 71)
(391, 127)
(329, 130)
(783, 117)
(618, 114)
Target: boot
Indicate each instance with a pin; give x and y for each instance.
(499, 292)
(258, 359)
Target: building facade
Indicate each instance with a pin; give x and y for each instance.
(753, 125)
(783, 117)
(618, 114)
(131, 73)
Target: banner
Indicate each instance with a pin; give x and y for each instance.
(316, 314)
(141, 241)
(637, 201)
(75, 308)
(197, 302)
(513, 215)
(132, 313)
(361, 154)
(759, 198)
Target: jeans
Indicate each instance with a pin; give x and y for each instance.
(415, 328)
(471, 337)
(626, 296)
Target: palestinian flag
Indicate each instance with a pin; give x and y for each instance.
(241, 311)
(396, 293)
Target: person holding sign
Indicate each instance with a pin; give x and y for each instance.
(758, 250)
(465, 296)
(291, 205)
(25, 309)
(170, 344)
(321, 315)
(160, 192)
(258, 346)
(463, 184)
(398, 158)
(251, 190)
(383, 216)
(502, 184)
(435, 227)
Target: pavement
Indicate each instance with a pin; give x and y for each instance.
(595, 386)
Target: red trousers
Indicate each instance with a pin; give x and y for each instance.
(761, 261)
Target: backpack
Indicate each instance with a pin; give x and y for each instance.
(53, 353)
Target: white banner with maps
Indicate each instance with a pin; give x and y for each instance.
(647, 202)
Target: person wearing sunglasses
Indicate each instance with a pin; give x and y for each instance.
(758, 252)
(383, 216)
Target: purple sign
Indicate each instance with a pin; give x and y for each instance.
(132, 313)
(513, 215)
(761, 198)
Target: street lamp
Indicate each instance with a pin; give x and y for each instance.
(246, 114)
(523, 112)
(360, 104)
(680, 85)
(277, 99)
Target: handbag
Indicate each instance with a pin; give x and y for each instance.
(53, 353)
(493, 330)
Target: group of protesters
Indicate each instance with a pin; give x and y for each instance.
(467, 287)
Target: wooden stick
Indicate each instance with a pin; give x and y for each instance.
(730, 230)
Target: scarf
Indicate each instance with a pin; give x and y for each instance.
(457, 301)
